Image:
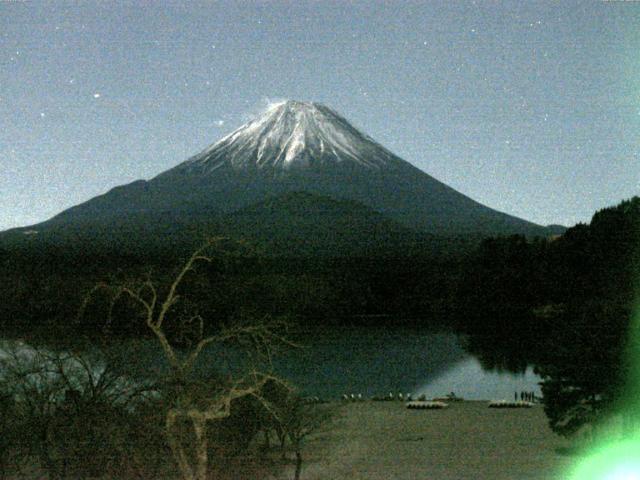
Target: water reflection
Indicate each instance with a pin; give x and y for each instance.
(469, 380)
(379, 362)
(370, 362)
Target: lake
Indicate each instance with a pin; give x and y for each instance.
(376, 362)
(368, 362)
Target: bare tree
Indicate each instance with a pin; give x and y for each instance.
(27, 384)
(262, 337)
(63, 404)
(298, 419)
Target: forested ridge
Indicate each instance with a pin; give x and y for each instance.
(44, 288)
(503, 285)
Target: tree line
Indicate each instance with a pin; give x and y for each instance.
(42, 288)
(564, 305)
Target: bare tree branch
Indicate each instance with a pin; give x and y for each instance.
(264, 338)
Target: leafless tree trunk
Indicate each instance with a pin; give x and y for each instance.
(263, 336)
(298, 463)
(298, 420)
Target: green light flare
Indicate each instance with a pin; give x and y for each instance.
(619, 459)
(615, 461)
(630, 404)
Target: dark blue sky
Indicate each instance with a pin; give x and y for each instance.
(532, 108)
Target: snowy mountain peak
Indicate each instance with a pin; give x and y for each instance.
(293, 135)
(292, 147)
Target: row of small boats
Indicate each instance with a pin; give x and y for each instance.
(439, 404)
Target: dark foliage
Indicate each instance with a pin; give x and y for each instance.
(43, 288)
(583, 364)
(563, 305)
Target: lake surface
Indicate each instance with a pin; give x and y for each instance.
(368, 362)
(379, 362)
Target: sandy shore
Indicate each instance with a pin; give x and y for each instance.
(384, 440)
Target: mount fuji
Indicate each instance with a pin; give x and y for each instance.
(292, 147)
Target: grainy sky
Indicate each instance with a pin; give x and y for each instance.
(532, 108)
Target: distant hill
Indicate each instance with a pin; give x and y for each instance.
(305, 224)
(555, 230)
(292, 224)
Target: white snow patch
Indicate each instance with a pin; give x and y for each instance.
(290, 133)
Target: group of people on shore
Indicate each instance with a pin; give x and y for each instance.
(525, 396)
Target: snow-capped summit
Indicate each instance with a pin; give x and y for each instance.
(292, 135)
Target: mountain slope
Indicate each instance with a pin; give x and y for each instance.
(292, 147)
(304, 224)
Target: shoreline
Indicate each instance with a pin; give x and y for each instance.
(466, 440)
